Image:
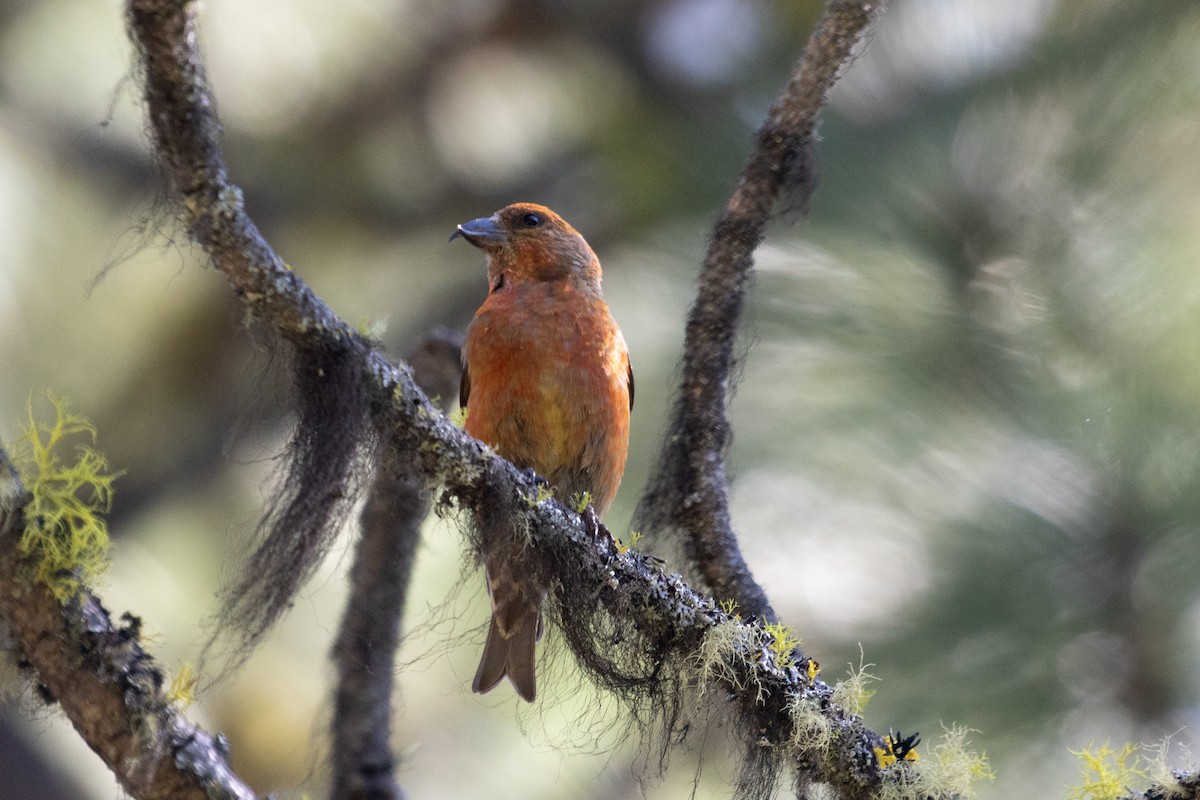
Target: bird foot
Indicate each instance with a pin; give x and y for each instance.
(531, 475)
(541, 485)
(594, 528)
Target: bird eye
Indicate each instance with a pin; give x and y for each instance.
(531, 220)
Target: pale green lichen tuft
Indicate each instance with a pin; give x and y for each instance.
(1158, 765)
(949, 770)
(725, 656)
(723, 645)
(812, 730)
(852, 693)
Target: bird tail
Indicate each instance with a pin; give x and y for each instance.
(510, 653)
(512, 637)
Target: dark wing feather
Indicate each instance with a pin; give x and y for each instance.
(629, 364)
(464, 386)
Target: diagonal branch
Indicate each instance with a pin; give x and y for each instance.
(688, 495)
(106, 684)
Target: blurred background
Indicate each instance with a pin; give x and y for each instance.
(968, 433)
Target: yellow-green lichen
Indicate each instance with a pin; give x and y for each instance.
(1106, 773)
(580, 501)
(544, 493)
(782, 643)
(634, 538)
(65, 533)
(730, 606)
(182, 689)
(372, 328)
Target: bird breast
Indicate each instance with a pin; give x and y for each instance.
(548, 369)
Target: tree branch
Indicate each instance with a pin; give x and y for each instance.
(106, 684)
(363, 762)
(687, 496)
(186, 135)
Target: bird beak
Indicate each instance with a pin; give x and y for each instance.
(479, 232)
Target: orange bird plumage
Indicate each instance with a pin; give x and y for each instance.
(547, 384)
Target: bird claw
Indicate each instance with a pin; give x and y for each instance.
(537, 480)
(593, 527)
(591, 522)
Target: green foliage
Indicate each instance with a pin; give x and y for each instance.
(65, 532)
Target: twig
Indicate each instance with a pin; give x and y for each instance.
(688, 494)
(364, 653)
(363, 762)
(104, 681)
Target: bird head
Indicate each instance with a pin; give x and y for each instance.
(527, 242)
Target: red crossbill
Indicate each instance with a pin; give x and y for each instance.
(547, 384)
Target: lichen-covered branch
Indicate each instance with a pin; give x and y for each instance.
(105, 682)
(687, 497)
(186, 133)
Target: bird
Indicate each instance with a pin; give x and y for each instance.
(547, 384)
